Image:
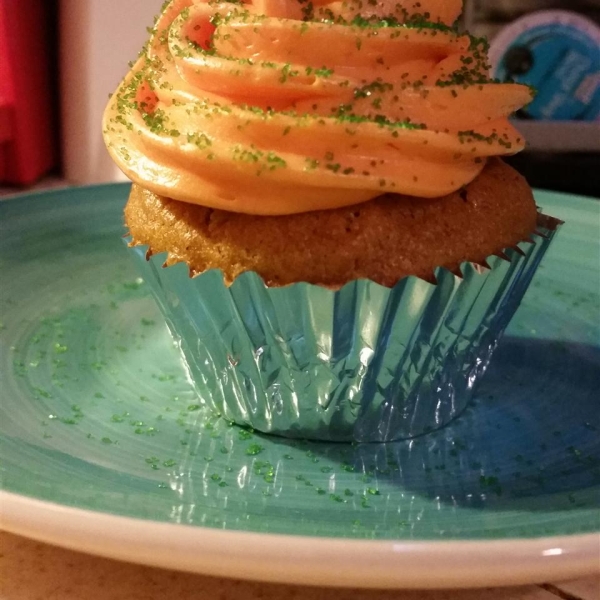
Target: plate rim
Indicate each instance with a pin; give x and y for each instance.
(302, 560)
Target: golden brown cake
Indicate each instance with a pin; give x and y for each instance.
(383, 240)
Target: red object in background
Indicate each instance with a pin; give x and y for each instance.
(27, 144)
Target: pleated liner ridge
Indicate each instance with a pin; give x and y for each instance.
(363, 363)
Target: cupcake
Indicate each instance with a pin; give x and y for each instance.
(320, 208)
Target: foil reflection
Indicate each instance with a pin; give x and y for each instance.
(503, 455)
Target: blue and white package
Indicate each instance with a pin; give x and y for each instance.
(558, 53)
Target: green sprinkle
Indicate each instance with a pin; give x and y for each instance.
(244, 434)
(254, 449)
(323, 72)
(311, 164)
(165, 377)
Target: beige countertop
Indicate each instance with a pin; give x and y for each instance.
(33, 571)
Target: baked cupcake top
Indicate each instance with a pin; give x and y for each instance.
(276, 107)
(383, 240)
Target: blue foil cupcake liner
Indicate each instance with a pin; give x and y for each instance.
(364, 363)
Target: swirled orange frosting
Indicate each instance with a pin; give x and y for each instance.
(275, 107)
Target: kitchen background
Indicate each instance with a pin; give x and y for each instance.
(59, 60)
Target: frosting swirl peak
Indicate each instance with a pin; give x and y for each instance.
(286, 106)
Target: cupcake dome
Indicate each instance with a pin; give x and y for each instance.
(384, 240)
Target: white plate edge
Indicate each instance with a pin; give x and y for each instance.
(302, 559)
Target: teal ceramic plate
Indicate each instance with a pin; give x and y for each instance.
(104, 447)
